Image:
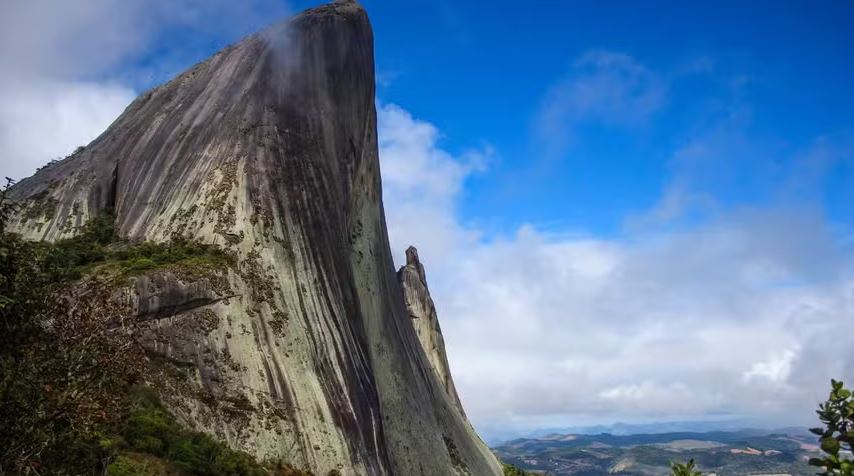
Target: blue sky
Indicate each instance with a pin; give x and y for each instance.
(629, 211)
(777, 73)
(481, 74)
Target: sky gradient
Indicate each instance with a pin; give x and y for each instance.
(628, 211)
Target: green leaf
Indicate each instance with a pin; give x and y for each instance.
(830, 445)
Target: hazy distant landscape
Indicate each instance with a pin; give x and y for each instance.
(746, 452)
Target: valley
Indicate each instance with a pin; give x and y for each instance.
(730, 453)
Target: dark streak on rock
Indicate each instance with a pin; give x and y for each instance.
(288, 114)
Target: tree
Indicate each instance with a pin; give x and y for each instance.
(67, 351)
(837, 415)
(72, 370)
(684, 469)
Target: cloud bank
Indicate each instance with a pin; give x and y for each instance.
(732, 314)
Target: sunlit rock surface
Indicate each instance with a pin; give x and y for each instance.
(303, 350)
(421, 309)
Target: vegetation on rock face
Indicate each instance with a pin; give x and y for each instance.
(51, 162)
(71, 367)
(153, 443)
(837, 436)
(61, 360)
(96, 249)
(510, 470)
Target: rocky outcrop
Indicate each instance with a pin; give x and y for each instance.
(303, 349)
(421, 309)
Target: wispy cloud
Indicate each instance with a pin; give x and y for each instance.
(603, 87)
(729, 160)
(387, 77)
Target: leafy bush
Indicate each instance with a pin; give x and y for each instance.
(140, 264)
(151, 429)
(69, 354)
(684, 469)
(510, 470)
(63, 360)
(125, 465)
(145, 256)
(70, 363)
(61, 261)
(97, 247)
(837, 436)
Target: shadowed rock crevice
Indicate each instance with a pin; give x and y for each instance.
(269, 150)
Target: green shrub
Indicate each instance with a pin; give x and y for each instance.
(684, 469)
(151, 429)
(837, 436)
(140, 264)
(65, 389)
(510, 470)
(69, 405)
(126, 466)
(62, 387)
(97, 247)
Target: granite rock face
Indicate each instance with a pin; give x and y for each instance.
(303, 350)
(421, 309)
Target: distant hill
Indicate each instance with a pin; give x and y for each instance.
(723, 453)
(498, 435)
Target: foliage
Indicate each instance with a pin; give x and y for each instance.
(70, 364)
(837, 415)
(145, 256)
(151, 430)
(133, 464)
(510, 470)
(61, 358)
(62, 261)
(77, 150)
(97, 248)
(48, 164)
(684, 469)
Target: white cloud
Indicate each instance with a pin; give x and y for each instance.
(727, 317)
(775, 370)
(647, 327)
(56, 38)
(674, 398)
(67, 69)
(43, 120)
(421, 183)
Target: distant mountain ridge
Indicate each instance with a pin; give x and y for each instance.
(496, 437)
